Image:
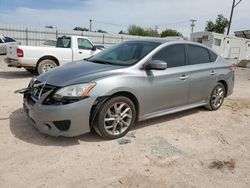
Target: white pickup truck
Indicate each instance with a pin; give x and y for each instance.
(41, 59)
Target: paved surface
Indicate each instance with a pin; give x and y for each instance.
(195, 148)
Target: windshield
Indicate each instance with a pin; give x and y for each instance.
(127, 53)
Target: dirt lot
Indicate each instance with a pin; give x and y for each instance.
(195, 148)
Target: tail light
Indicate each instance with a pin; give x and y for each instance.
(19, 52)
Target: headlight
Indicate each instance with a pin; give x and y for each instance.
(74, 91)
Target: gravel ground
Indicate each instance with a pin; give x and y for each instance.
(195, 148)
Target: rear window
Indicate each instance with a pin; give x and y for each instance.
(63, 42)
(198, 55)
(8, 39)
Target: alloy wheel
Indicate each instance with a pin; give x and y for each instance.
(217, 96)
(118, 118)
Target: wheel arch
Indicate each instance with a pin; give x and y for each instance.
(101, 100)
(50, 57)
(224, 83)
(132, 97)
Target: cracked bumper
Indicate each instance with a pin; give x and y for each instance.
(43, 116)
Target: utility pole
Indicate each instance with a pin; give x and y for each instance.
(90, 25)
(231, 15)
(156, 30)
(192, 25)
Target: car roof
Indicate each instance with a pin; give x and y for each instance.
(160, 41)
(163, 41)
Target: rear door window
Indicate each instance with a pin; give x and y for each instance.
(63, 42)
(197, 55)
(173, 55)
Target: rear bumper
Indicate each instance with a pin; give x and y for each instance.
(2, 50)
(230, 85)
(17, 63)
(230, 89)
(43, 117)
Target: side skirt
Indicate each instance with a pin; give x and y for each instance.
(171, 110)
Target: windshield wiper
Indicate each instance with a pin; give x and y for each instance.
(101, 62)
(87, 59)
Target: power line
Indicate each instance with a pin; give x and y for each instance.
(172, 23)
(237, 3)
(157, 26)
(126, 26)
(107, 23)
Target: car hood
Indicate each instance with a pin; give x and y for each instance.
(78, 72)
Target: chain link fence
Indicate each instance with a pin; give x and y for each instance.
(36, 36)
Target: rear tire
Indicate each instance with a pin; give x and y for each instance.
(216, 98)
(115, 118)
(46, 65)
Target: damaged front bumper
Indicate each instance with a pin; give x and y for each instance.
(58, 120)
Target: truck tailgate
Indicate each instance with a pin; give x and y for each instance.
(12, 51)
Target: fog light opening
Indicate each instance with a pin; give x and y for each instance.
(62, 125)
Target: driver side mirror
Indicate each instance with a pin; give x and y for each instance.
(94, 48)
(157, 65)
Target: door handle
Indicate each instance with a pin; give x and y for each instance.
(212, 73)
(184, 77)
(80, 52)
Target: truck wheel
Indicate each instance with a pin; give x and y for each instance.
(115, 118)
(46, 65)
(32, 71)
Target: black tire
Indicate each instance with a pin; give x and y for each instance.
(32, 71)
(100, 125)
(46, 65)
(212, 105)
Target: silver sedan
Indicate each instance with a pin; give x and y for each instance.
(129, 82)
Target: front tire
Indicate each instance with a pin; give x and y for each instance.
(217, 97)
(46, 65)
(115, 118)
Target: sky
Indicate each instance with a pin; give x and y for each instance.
(116, 15)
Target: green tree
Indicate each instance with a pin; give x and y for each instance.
(219, 26)
(170, 32)
(49, 27)
(121, 32)
(80, 29)
(139, 31)
(152, 32)
(210, 26)
(136, 30)
(101, 31)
